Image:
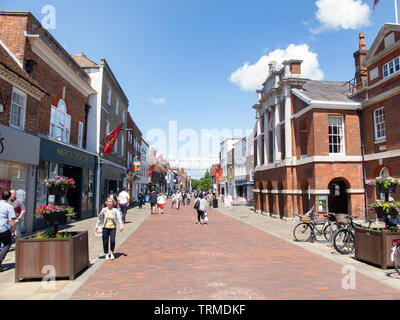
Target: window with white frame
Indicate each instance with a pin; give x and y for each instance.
(391, 67)
(18, 109)
(60, 122)
(336, 135)
(116, 146)
(117, 107)
(123, 115)
(379, 123)
(107, 128)
(122, 145)
(80, 134)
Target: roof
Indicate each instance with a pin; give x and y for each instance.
(326, 91)
(84, 61)
(9, 63)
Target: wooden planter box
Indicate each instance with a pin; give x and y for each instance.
(374, 247)
(67, 256)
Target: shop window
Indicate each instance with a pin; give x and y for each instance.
(90, 190)
(85, 189)
(18, 107)
(53, 170)
(41, 191)
(60, 122)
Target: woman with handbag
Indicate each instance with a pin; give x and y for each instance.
(107, 223)
(200, 205)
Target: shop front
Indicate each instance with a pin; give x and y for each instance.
(57, 159)
(19, 156)
(112, 177)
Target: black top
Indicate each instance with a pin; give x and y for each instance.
(153, 197)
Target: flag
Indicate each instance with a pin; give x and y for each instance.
(219, 173)
(376, 3)
(151, 169)
(110, 140)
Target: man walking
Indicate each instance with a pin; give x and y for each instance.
(153, 201)
(6, 224)
(123, 203)
(140, 198)
(19, 210)
(178, 199)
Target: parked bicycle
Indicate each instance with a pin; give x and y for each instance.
(395, 255)
(343, 240)
(310, 228)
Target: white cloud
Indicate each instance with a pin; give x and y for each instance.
(342, 14)
(251, 77)
(158, 100)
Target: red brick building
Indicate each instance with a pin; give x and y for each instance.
(306, 146)
(377, 85)
(61, 121)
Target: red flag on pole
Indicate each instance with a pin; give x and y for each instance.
(111, 139)
(375, 3)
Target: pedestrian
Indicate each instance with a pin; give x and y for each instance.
(173, 197)
(19, 210)
(184, 197)
(200, 205)
(107, 220)
(7, 216)
(161, 204)
(189, 196)
(112, 195)
(153, 201)
(140, 198)
(178, 199)
(123, 203)
(210, 200)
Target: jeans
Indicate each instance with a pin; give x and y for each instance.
(200, 215)
(124, 209)
(109, 234)
(18, 226)
(5, 240)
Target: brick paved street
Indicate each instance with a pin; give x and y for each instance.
(170, 257)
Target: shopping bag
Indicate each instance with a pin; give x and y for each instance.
(98, 231)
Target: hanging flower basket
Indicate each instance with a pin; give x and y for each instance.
(55, 215)
(59, 185)
(385, 185)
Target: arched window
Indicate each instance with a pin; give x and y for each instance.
(60, 122)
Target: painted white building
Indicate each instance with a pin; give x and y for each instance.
(226, 147)
(239, 163)
(144, 165)
(250, 167)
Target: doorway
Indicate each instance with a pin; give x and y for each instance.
(74, 195)
(338, 200)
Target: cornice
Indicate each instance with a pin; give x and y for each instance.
(40, 48)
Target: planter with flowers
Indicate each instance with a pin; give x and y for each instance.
(373, 245)
(65, 253)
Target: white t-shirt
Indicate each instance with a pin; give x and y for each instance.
(179, 196)
(161, 200)
(123, 197)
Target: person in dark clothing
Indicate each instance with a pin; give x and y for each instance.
(153, 201)
(140, 198)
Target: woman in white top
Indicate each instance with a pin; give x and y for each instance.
(107, 221)
(201, 204)
(161, 203)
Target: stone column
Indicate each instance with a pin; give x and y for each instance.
(277, 151)
(288, 124)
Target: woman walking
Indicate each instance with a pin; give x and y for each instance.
(161, 203)
(108, 219)
(173, 197)
(201, 205)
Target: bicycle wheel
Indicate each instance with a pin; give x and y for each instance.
(302, 232)
(327, 230)
(343, 241)
(397, 259)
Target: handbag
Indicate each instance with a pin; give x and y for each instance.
(197, 205)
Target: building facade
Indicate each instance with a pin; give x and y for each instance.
(226, 147)
(240, 168)
(250, 167)
(306, 146)
(377, 86)
(109, 111)
(62, 122)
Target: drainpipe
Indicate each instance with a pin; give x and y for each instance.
(87, 108)
(359, 113)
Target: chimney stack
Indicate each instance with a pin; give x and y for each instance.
(359, 56)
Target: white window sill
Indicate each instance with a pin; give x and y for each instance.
(380, 141)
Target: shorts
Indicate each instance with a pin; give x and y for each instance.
(161, 206)
(153, 204)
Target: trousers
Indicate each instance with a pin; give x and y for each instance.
(109, 236)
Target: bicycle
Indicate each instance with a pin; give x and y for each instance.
(310, 227)
(395, 255)
(343, 240)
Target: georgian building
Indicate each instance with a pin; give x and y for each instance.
(240, 168)
(109, 110)
(306, 146)
(62, 118)
(377, 85)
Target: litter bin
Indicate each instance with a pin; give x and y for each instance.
(215, 203)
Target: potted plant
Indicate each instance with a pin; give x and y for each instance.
(66, 252)
(385, 209)
(385, 185)
(59, 185)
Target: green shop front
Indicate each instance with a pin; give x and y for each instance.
(57, 159)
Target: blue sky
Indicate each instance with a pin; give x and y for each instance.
(185, 51)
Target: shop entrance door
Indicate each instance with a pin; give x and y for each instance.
(74, 195)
